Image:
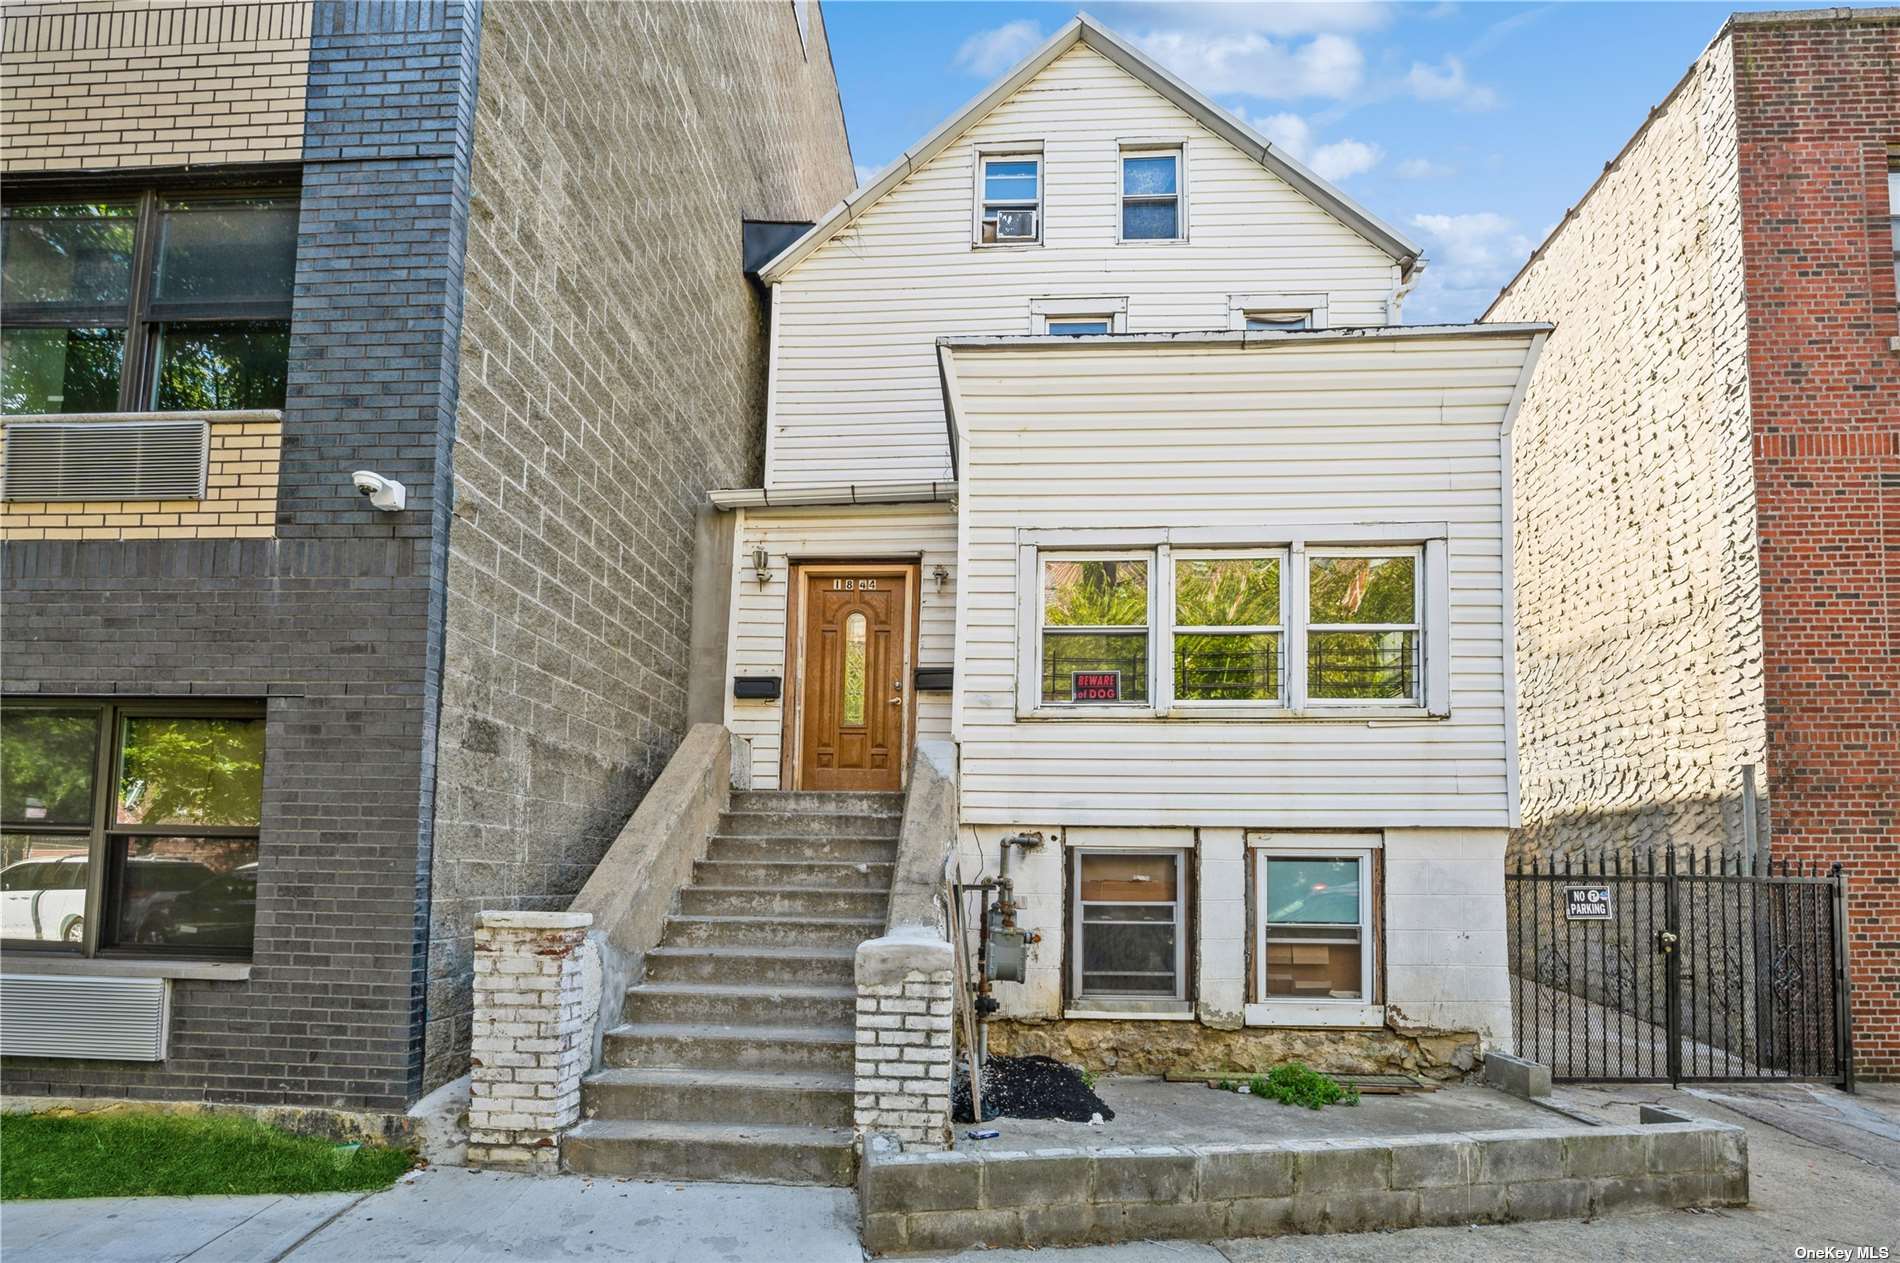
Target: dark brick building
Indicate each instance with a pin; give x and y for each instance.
(491, 254)
(1709, 482)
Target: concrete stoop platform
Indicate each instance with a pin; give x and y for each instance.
(916, 1202)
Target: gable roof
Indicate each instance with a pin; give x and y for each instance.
(1084, 29)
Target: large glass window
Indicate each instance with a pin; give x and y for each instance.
(1010, 199)
(1227, 630)
(1362, 634)
(1129, 940)
(1893, 215)
(1314, 914)
(169, 816)
(151, 300)
(1151, 196)
(1095, 630)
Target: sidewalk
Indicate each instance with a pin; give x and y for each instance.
(1825, 1172)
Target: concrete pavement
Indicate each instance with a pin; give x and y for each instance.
(1825, 1172)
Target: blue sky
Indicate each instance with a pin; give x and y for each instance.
(1471, 126)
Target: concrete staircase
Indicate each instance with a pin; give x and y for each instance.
(734, 1061)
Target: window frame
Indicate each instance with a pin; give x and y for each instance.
(143, 316)
(1284, 555)
(1893, 219)
(1417, 626)
(1366, 1009)
(1242, 306)
(1080, 999)
(1146, 707)
(1046, 311)
(1427, 542)
(1151, 149)
(103, 833)
(1008, 153)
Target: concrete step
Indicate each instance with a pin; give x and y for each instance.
(767, 901)
(770, 932)
(704, 1046)
(664, 1095)
(741, 1004)
(818, 802)
(745, 1153)
(795, 874)
(727, 849)
(801, 824)
(807, 966)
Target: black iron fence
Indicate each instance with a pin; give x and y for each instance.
(1665, 969)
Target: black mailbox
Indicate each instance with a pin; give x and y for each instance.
(935, 679)
(755, 688)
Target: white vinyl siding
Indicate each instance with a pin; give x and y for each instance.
(870, 533)
(1340, 442)
(856, 397)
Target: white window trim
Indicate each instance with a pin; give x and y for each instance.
(1416, 626)
(1279, 700)
(1082, 1002)
(1119, 710)
(1021, 151)
(1359, 1011)
(1239, 305)
(1433, 594)
(1044, 310)
(1153, 149)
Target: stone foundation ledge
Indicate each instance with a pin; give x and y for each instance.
(915, 1202)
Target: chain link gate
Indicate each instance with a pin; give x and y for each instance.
(1636, 970)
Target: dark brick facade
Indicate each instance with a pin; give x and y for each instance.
(1818, 116)
(336, 621)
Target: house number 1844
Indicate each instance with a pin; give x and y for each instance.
(854, 585)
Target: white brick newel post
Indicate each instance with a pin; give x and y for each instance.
(905, 991)
(537, 988)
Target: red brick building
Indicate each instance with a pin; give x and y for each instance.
(1708, 482)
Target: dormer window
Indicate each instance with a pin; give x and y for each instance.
(1151, 195)
(1011, 206)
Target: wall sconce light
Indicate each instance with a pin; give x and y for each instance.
(762, 566)
(941, 573)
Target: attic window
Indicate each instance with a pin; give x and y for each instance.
(1011, 206)
(1151, 195)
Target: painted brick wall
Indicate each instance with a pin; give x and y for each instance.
(612, 372)
(1638, 643)
(1818, 107)
(331, 620)
(129, 83)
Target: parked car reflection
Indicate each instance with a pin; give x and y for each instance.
(44, 899)
(187, 905)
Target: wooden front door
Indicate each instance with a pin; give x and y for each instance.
(854, 697)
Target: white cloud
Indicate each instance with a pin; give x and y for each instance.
(1472, 256)
(1447, 82)
(866, 174)
(1247, 63)
(1334, 161)
(1275, 18)
(991, 52)
(1425, 169)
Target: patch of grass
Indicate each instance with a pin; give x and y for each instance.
(1296, 1084)
(133, 1154)
(1090, 1078)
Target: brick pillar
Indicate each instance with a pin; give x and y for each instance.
(905, 1045)
(537, 990)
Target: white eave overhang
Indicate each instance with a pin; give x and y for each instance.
(1238, 337)
(849, 494)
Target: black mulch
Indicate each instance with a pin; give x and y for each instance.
(1028, 1087)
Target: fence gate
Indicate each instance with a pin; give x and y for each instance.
(1643, 970)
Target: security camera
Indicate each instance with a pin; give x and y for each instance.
(384, 493)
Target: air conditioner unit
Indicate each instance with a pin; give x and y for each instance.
(115, 460)
(1015, 225)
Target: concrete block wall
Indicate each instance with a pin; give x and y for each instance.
(537, 991)
(613, 370)
(1818, 120)
(1639, 626)
(240, 493)
(128, 83)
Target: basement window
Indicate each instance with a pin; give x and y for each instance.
(1130, 940)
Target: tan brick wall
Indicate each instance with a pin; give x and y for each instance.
(141, 83)
(1638, 591)
(240, 495)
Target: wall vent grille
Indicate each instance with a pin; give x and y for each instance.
(106, 460)
(72, 1015)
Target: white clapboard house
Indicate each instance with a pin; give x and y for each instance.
(1094, 444)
